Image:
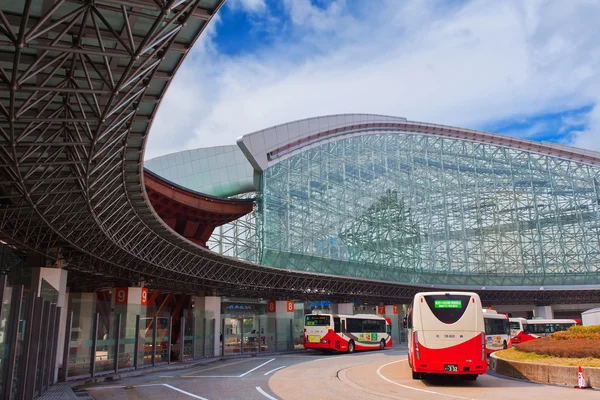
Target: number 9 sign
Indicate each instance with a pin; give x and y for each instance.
(144, 301)
(121, 295)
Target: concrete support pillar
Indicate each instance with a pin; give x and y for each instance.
(343, 308)
(57, 279)
(392, 312)
(209, 308)
(544, 312)
(280, 315)
(129, 302)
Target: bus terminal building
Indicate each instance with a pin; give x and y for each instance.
(133, 263)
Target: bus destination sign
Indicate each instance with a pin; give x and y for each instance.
(447, 304)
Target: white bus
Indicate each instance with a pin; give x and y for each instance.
(346, 332)
(446, 335)
(524, 330)
(497, 331)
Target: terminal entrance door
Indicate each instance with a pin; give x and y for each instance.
(242, 336)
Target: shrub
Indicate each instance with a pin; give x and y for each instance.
(578, 332)
(572, 347)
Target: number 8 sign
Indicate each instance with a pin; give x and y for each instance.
(289, 306)
(121, 295)
(271, 306)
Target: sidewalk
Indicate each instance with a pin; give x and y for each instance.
(64, 391)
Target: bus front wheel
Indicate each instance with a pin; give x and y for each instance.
(351, 346)
(382, 344)
(416, 375)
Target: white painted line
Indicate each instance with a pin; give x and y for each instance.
(267, 395)
(209, 376)
(184, 392)
(414, 388)
(255, 368)
(273, 370)
(147, 385)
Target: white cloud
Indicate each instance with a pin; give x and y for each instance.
(465, 65)
(247, 5)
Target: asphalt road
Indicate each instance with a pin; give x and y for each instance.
(311, 375)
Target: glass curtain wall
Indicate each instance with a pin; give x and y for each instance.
(424, 209)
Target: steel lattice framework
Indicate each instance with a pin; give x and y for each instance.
(426, 209)
(80, 81)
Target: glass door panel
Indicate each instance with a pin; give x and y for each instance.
(232, 336)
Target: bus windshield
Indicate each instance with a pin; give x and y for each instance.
(496, 326)
(515, 326)
(447, 308)
(317, 320)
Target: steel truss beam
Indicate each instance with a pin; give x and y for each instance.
(79, 87)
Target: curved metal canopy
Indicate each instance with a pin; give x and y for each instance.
(80, 81)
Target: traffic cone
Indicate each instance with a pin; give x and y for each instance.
(581, 384)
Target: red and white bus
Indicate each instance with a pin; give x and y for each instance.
(446, 335)
(346, 332)
(524, 330)
(497, 331)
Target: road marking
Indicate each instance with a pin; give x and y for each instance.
(414, 388)
(227, 376)
(148, 385)
(184, 392)
(209, 376)
(202, 370)
(267, 395)
(273, 370)
(255, 368)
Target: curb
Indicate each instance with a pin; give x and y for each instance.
(563, 375)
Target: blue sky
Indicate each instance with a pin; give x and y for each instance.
(527, 69)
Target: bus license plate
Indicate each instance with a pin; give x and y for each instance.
(314, 339)
(450, 367)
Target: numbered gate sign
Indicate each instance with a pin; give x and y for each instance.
(144, 300)
(289, 306)
(271, 306)
(121, 295)
(380, 309)
(395, 309)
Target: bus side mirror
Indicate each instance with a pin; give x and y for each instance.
(404, 322)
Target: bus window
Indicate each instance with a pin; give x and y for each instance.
(336, 324)
(354, 325)
(447, 308)
(496, 326)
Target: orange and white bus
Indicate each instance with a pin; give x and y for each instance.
(346, 332)
(524, 330)
(497, 331)
(446, 335)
